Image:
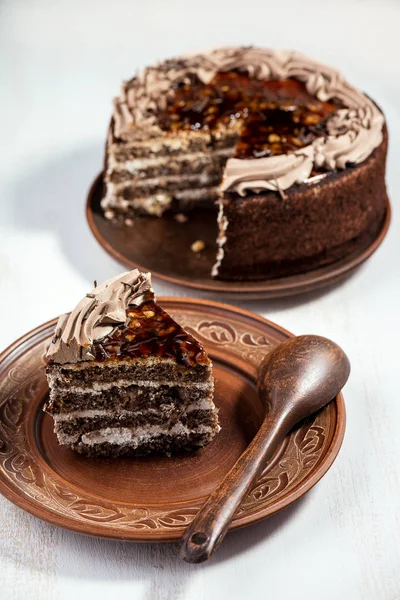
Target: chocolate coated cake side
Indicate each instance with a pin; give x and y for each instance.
(312, 225)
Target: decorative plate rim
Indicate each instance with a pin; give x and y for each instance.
(324, 463)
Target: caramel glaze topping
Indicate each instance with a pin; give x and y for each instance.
(277, 117)
(150, 331)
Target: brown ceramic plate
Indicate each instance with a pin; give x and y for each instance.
(162, 246)
(155, 498)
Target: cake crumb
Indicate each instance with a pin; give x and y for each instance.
(129, 222)
(181, 218)
(109, 214)
(198, 246)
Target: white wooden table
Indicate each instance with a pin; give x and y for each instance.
(61, 63)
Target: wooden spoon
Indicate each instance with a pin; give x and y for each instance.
(295, 380)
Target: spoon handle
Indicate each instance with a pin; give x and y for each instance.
(211, 523)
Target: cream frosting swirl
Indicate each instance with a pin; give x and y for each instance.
(353, 132)
(97, 315)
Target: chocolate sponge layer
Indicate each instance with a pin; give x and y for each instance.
(90, 374)
(165, 419)
(132, 397)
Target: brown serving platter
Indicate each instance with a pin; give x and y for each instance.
(163, 246)
(155, 498)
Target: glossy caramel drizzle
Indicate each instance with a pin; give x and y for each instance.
(150, 331)
(276, 117)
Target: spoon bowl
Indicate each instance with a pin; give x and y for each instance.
(300, 376)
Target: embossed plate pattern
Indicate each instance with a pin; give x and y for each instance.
(155, 498)
(162, 246)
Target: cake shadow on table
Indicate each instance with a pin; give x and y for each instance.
(51, 199)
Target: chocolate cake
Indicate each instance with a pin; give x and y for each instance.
(125, 378)
(292, 154)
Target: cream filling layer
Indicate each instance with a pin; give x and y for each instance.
(142, 361)
(197, 194)
(139, 164)
(98, 387)
(205, 405)
(158, 203)
(126, 436)
(197, 178)
(153, 204)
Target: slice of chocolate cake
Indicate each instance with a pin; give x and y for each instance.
(125, 378)
(293, 154)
